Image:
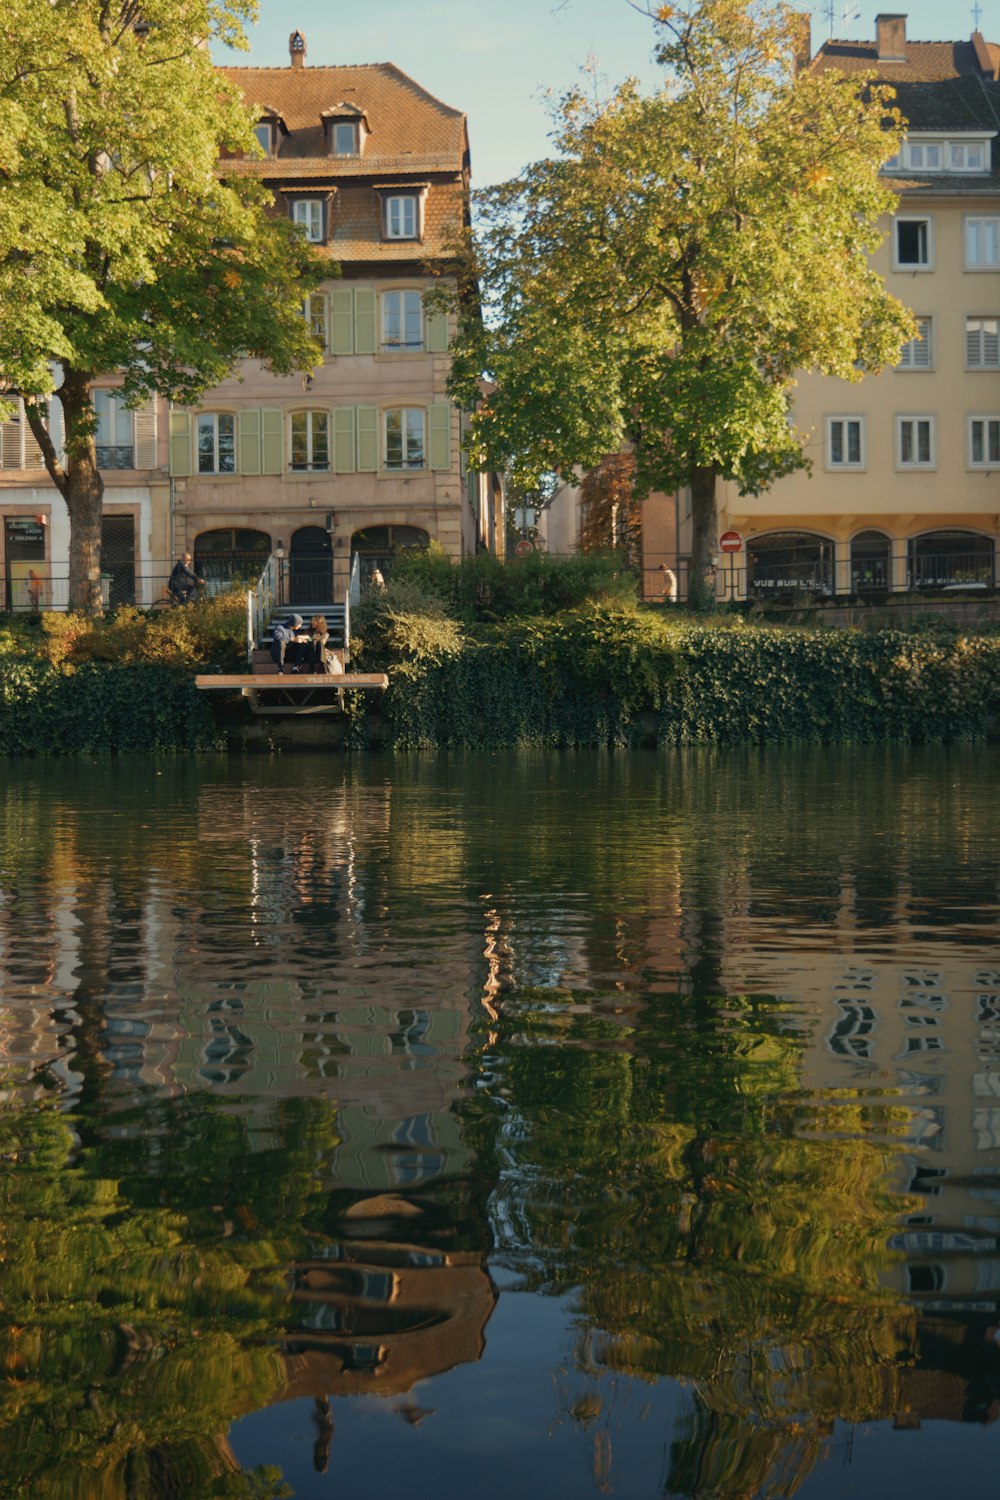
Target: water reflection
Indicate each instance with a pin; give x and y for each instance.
(302, 1060)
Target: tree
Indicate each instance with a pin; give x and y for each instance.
(612, 514)
(664, 276)
(122, 247)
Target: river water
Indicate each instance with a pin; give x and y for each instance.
(543, 1125)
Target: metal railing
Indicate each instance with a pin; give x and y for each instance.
(899, 571)
(262, 600)
(48, 589)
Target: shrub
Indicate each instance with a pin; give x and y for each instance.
(211, 632)
(482, 588)
(403, 620)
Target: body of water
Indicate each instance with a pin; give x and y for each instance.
(544, 1125)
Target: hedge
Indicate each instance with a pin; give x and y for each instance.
(101, 708)
(610, 676)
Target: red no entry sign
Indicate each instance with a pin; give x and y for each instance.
(730, 541)
(523, 547)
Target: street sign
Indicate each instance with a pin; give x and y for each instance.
(730, 541)
(523, 547)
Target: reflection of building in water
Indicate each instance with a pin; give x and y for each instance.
(383, 1316)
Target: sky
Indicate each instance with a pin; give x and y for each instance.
(497, 61)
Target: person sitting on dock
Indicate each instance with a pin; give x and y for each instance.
(288, 644)
(318, 642)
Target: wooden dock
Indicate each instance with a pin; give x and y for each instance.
(293, 692)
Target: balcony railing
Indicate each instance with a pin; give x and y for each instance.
(115, 456)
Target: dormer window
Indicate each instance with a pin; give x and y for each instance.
(401, 216)
(345, 138)
(307, 213)
(346, 128)
(960, 154)
(265, 136)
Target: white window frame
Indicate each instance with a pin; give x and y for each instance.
(986, 420)
(351, 126)
(307, 215)
(907, 265)
(988, 340)
(918, 353)
(212, 419)
(943, 155)
(396, 210)
(908, 426)
(410, 418)
(980, 228)
(317, 421)
(264, 132)
(316, 311)
(838, 466)
(401, 345)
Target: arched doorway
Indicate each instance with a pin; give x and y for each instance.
(310, 572)
(230, 555)
(787, 563)
(378, 545)
(950, 559)
(871, 562)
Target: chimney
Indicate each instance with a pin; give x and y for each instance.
(297, 49)
(890, 38)
(801, 40)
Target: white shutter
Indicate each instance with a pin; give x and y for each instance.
(32, 453)
(144, 428)
(10, 443)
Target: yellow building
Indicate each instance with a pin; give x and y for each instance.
(904, 489)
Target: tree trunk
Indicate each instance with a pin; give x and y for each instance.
(84, 496)
(81, 485)
(704, 539)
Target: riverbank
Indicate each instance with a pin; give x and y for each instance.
(610, 674)
(614, 675)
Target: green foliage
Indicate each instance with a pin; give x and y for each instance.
(664, 275)
(616, 675)
(99, 708)
(121, 248)
(210, 633)
(484, 588)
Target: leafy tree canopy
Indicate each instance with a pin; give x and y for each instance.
(121, 247)
(663, 276)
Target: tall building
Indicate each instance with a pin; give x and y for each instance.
(365, 456)
(904, 491)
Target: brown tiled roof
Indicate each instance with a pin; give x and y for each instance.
(284, 168)
(925, 61)
(403, 117)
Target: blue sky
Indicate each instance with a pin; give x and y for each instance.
(496, 61)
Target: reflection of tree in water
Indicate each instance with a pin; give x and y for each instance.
(168, 1267)
(715, 1227)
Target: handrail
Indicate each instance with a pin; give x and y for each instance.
(260, 604)
(351, 595)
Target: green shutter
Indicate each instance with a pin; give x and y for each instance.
(342, 321)
(180, 443)
(439, 443)
(367, 428)
(343, 440)
(364, 320)
(436, 331)
(250, 442)
(272, 445)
